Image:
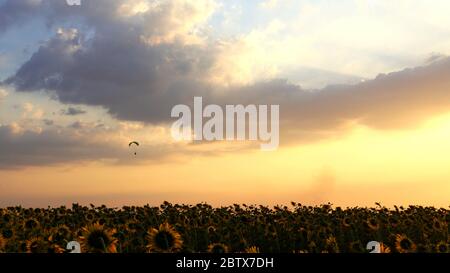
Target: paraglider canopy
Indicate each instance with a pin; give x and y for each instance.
(133, 143)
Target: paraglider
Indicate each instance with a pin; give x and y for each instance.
(133, 143)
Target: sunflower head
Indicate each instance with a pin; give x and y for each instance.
(90, 217)
(31, 224)
(39, 245)
(372, 224)
(442, 247)
(346, 222)
(437, 225)
(394, 222)
(97, 239)
(6, 217)
(7, 233)
(217, 248)
(211, 230)
(164, 239)
(403, 244)
(61, 234)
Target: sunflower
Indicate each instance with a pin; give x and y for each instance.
(403, 244)
(437, 225)
(372, 224)
(61, 234)
(89, 217)
(6, 217)
(394, 222)
(164, 239)
(252, 249)
(7, 233)
(211, 230)
(39, 245)
(31, 224)
(346, 222)
(442, 247)
(218, 248)
(96, 238)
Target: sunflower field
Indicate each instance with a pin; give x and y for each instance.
(238, 228)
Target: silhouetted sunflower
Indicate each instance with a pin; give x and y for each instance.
(39, 245)
(7, 233)
(90, 217)
(6, 217)
(442, 247)
(404, 245)
(217, 248)
(373, 224)
(164, 239)
(31, 224)
(346, 222)
(61, 234)
(97, 239)
(394, 222)
(437, 225)
(211, 230)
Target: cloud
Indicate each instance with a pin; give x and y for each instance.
(269, 4)
(72, 111)
(128, 64)
(137, 81)
(28, 107)
(138, 60)
(3, 94)
(435, 57)
(17, 12)
(397, 100)
(22, 147)
(49, 122)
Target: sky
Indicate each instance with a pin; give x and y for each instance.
(363, 88)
